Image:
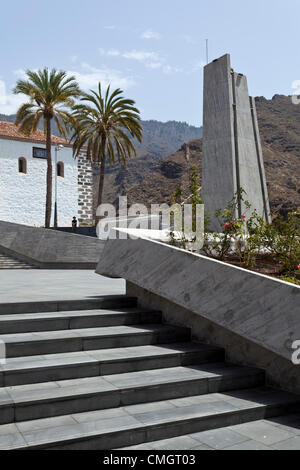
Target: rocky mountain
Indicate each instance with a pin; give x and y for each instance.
(119, 180)
(163, 138)
(279, 122)
(159, 138)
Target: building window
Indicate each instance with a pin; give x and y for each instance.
(60, 171)
(39, 153)
(22, 165)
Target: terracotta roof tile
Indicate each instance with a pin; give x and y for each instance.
(9, 130)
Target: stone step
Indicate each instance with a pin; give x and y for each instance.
(73, 365)
(14, 263)
(36, 401)
(15, 267)
(275, 433)
(147, 422)
(89, 339)
(9, 262)
(54, 321)
(102, 302)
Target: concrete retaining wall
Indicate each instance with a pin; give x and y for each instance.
(256, 318)
(49, 248)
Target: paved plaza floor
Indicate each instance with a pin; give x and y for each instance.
(281, 433)
(17, 285)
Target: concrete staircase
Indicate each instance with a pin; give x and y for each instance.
(114, 377)
(9, 262)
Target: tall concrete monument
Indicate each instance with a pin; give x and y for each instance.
(232, 153)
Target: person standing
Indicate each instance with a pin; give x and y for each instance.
(74, 224)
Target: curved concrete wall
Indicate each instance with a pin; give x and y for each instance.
(50, 248)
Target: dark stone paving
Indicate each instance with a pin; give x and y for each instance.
(40, 285)
(281, 433)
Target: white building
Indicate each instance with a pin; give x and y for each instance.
(23, 168)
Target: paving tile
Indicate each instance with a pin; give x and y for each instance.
(289, 444)
(176, 443)
(86, 381)
(6, 429)
(149, 407)
(73, 431)
(61, 391)
(197, 400)
(177, 373)
(289, 423)
(41, 424)
(91, 416)
(53, 285)
(262, 431)
(219, 438)
(12, 441)
(5, 397)
(128, 379)
(186, 412)
(202, 447)
(249, 445)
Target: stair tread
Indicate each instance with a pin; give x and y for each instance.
(102, 355)
(275, 433)
(126, 393)
(86, 333)
(70, 314)
(18, 394)
(9, 262)
(63, 429)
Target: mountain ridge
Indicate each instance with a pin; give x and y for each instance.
(279, 124)
(159, 138)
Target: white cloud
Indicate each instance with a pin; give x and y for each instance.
(89, 77)
(9, 103)
(20, 73)
(150, 34)
(111, 27)
(113, 52)
(149, 59)
(168, 69)
(109, 53)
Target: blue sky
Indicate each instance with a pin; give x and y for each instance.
(153, 49)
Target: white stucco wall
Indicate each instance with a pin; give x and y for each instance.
(23, 196)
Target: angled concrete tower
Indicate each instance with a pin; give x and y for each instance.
(232, 154)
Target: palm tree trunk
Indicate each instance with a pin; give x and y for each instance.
(49, 174)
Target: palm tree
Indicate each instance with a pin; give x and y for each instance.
(51, 93)
(105, 125)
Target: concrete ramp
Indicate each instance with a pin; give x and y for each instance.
(49, 248)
